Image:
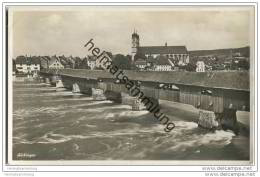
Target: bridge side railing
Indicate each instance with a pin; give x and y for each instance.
(207, 98)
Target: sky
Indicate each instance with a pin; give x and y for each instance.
(64, 31)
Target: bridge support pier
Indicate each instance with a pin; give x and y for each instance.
(208, 119)
(75, 88)
(127, 99)
(113, 96)
(98, 94)
(228, 120)
(137, 105)
(47, 80)
(60, 85)
(225, 120)
(53, 80)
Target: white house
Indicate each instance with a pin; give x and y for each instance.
(163, 68)
(27, 65)
(141, 64)
(200, 66)
(162, 64)
(55, 63)
(92, 62)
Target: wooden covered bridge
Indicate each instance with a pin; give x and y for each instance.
(220, 92)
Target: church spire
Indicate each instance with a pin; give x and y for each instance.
(135, 44)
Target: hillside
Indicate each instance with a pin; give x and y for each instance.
(244, 51)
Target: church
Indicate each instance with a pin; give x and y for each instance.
(175, 55)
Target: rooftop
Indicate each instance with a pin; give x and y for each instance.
(27, 60)
(140, 62)
(162, 60)
(92, 58)
(163, 50)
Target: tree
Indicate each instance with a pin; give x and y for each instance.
(129, 57)
(243, 64)
(84, 64)
(139, 55)
(190, 67)
(122, 62)
(78, 63)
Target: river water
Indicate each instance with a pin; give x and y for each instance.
(51, 125)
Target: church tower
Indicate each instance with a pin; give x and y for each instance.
(135, 44)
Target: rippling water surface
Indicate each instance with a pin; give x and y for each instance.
(50, 125)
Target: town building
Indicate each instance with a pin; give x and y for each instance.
(67, 62)
(150, 62)
(200, 66)
(162, 64)
(141, 64)
(55, 63)
(92, 62)
(175, 54)
(27, 65)
(44, 60)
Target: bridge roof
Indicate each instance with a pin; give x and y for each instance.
(227, 80)
(238, 80)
